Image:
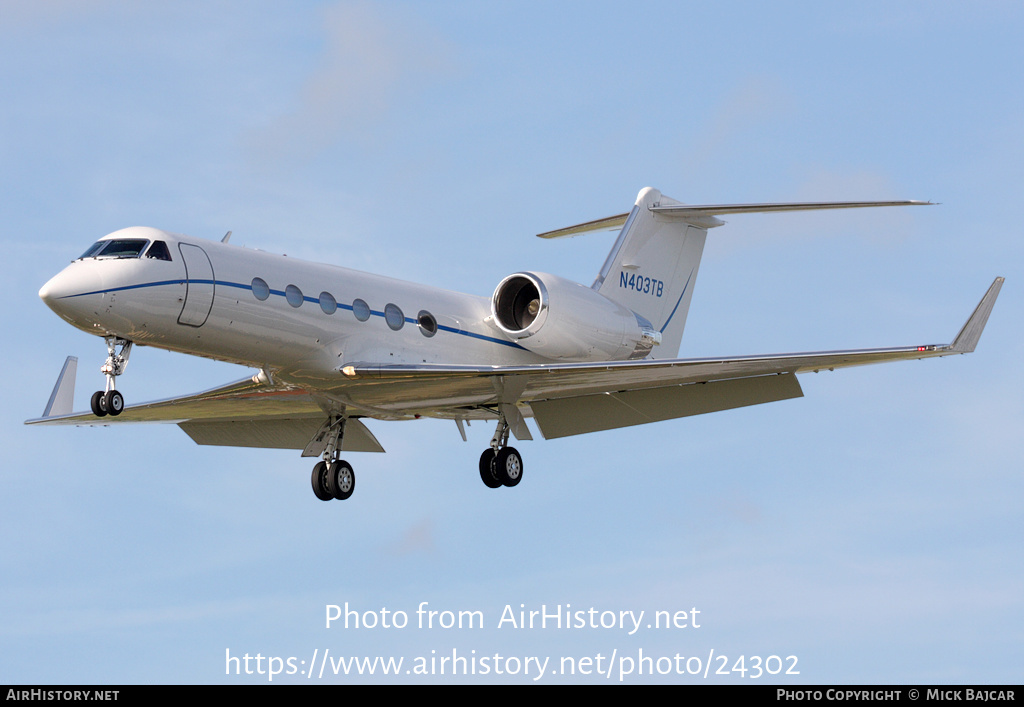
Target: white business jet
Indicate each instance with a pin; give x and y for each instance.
(334, 346)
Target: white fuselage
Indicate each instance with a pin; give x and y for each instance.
(206, 300)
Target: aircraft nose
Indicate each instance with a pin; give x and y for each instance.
(65, 290)
(51, 290)
(58, 287)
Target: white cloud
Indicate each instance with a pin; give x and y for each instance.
(367, 62)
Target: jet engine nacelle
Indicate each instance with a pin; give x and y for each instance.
(562, 319)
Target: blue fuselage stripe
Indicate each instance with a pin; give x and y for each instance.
(281, 293)
(677, 303)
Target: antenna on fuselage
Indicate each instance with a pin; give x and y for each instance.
(226, 238)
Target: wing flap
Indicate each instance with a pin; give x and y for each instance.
(563, 417)
(283, 433)
(286, 433)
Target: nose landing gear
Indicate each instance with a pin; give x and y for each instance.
(109, 401)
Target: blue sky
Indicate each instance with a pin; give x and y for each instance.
(871, 528)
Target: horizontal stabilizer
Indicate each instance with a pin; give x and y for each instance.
(697, 211)
(724, 209)
(601, 224)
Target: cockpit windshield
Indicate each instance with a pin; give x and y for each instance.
(116, 248)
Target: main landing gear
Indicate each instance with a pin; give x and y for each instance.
(333, 481)
(110, 401)
(501, 465)
(333, 478)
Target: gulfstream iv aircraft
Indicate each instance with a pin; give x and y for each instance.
(334, 347)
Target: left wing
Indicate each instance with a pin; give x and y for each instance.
(564, 399)
(575, 398)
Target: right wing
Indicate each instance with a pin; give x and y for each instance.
(245, 413)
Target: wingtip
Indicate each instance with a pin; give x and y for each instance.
(967, 339)
(62, 399)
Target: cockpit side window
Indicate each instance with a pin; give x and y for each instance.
(158, 251)
(117, 248)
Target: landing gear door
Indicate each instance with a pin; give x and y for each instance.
(199, 285)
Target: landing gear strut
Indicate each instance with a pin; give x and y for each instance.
(109, 401)
(333, 478)
(501, 465)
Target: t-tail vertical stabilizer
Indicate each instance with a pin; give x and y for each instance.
(652, 268)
